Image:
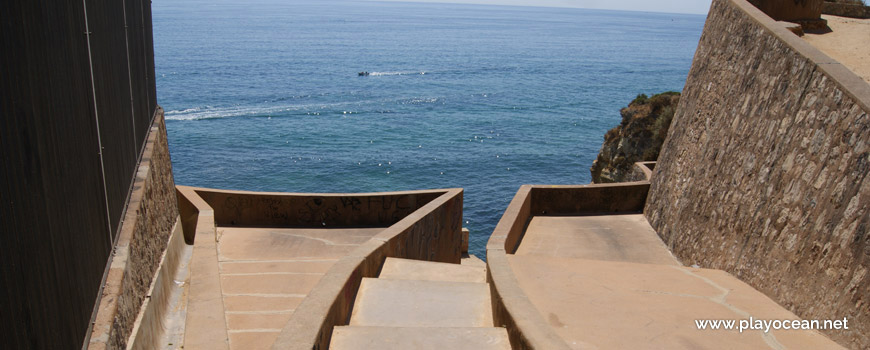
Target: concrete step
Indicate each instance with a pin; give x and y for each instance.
(408, 303)
(471, 260)
(404, 269)
(402, 338)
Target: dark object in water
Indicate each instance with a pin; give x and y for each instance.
(363, 74)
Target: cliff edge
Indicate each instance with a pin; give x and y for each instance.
(638, 137)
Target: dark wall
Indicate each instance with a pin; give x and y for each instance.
(78, 97)
(790, 10)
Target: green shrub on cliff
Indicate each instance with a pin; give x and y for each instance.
(640, 99)
(639, 136)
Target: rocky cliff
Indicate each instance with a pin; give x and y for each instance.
(638, 138)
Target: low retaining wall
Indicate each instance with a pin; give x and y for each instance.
(261, 209)
(764, 173)
(512, 309)
(150, 216)
(790, 10)
(423, 225)
(641, 171)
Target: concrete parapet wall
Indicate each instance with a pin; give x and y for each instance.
(152, 212)
(423, 225)
(260, 209)
(764, 172)
(641, 171)
(790, 10)
(588, 199)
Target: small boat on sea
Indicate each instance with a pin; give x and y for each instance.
(363, 74)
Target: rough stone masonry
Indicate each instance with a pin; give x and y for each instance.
(765, 170)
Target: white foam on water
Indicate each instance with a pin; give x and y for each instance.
(209, 112)
(343, 108)
(377, 74)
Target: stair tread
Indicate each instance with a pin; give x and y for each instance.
(422, 338)
(472, 260)
(410, 303)
(405, 269)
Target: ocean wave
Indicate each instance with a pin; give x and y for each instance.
(377, 74)
(380, 106)
(209, 112)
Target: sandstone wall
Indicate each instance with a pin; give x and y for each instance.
(765, 170)
(152, 211)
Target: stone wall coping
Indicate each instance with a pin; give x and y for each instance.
(848, 81)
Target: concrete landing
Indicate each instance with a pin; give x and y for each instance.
(405, 269)
(606, 237)
(471, 260)
(258, 244)
(848, 42)
(402, 338)
(245, 286)
(594, 304)
(405, 303)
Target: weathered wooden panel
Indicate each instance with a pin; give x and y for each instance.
(58, 215)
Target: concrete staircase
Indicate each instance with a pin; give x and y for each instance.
(423, 305)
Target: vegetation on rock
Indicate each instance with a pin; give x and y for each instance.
(638, 137)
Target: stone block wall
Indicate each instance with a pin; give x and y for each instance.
(764, 172)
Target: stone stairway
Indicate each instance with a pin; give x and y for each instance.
(423, 305)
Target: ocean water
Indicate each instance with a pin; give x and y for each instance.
(264, 95)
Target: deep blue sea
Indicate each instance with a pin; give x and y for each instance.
(264, 95)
